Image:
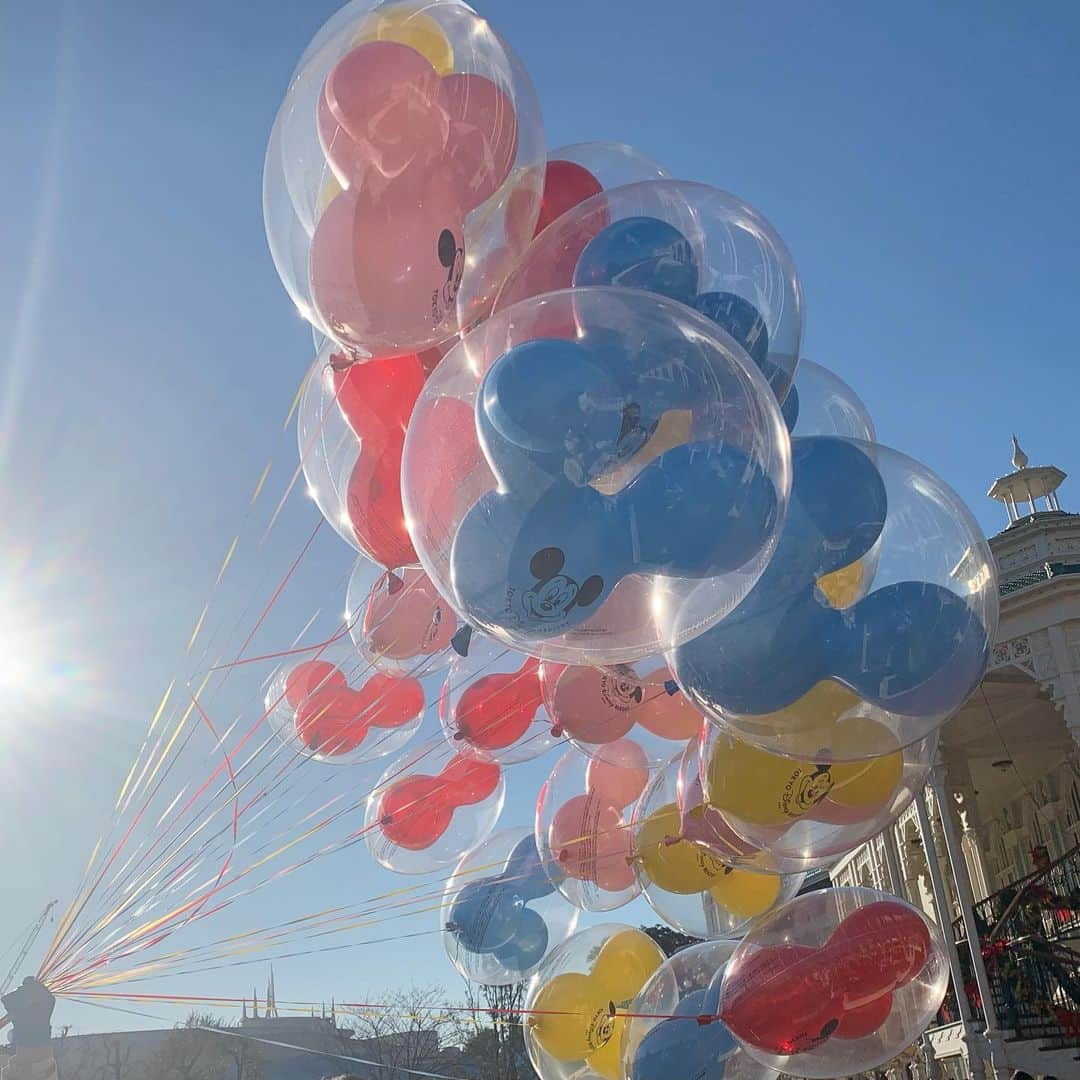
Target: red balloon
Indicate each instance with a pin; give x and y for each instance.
(335, 719)
(496, 710)
(858, 1023)
(416, 810)
(875, 950)
(377, 397)
(780, 1000)
(565, 185)
(309, 676)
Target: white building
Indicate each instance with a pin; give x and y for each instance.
(1002, 861)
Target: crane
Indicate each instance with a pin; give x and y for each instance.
(28, 944)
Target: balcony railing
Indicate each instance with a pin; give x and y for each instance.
(1026, 932)
(1034, 577)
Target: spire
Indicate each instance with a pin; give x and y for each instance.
(1019, 458)
(271, 998)
(245, 1015)
(333, 1011)
(255, 1004)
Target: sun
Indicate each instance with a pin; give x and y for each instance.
(21, 664)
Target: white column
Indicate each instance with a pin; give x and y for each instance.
(892, 861)
(978, 1047)
(967, 905)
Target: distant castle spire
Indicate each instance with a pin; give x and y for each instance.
(255, 1004)
(271, 997)
(245, 1015)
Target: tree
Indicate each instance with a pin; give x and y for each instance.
(407, 1031)
(671, 941)
(194, 1051)
(498, 1050)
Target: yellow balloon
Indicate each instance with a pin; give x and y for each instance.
(679, 867)
(607, 1061)
(407, 25)
(745, 894)
(563, 1016)
(814, 716)
(763, 788)
(844, 586)
(869, 783)
(624, 965)
(571, 1016)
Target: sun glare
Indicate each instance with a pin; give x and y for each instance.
(19, 666)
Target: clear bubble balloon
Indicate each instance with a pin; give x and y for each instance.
(573, 1026)
(596, 706)
(665, 1038)
(501, 913)
(431, 806)
(404, 134)
(701, 246)
(873, 621)
(590, 469)
(337, 709)
(835, 983)
(583, 823)
(821, 403)
(492, 702)
(576, 173)
(398, 620)
(687, 885)
(807, 812)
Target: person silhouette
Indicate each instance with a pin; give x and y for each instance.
(30, 1009)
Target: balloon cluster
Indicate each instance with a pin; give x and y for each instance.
(601, 504)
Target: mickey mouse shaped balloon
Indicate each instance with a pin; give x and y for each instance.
(834, 983)
(640, 474)
(794, 661)
(341, 712)
(493, 702)
(576, 1003)
(395, 152)
(501, 912)
(701, 246)
(688, 885)
(430, 807)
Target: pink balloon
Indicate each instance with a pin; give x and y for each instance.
(600, 705)
(406, 617)
(483, 136)
(618, 771)
(382, 275)
(379, 116)
(592, 843)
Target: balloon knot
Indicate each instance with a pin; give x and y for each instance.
(705, 1019)
(387, 819)
(611, 1008)
(459, 735)
(672, 687)
(556, 731)
(669, 841)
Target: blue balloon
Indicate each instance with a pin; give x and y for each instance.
(546, 564)
(640, 253)
(740, 319)
(543, 551)
(913, 647)
(683, 1048)
(491, 915)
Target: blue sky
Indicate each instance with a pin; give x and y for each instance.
(919, 160)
